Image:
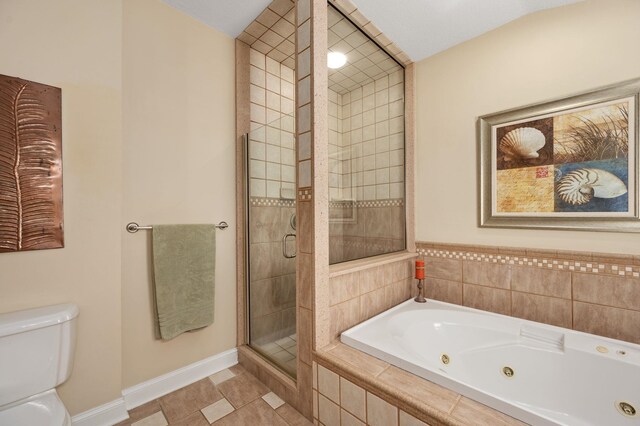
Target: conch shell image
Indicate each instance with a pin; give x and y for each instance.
(522, 143)
(581, 185)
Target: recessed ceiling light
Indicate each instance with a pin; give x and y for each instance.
(336, 60)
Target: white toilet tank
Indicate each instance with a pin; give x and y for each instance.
(36, 350)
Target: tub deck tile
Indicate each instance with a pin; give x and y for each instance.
(359, 360)
(473, 413)
(437, 396)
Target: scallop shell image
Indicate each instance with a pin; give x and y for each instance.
(581, 185)
(522, 143)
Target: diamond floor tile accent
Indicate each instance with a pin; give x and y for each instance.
(273, 400)
(217, 410)
(221, 376)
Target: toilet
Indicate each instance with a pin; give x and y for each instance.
(36, 355)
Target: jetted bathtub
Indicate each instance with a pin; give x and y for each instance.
(537, 373)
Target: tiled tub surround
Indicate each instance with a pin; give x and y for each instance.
(591, 292)
(362, 289)
(353, 388)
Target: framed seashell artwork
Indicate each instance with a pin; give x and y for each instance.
(569, 163)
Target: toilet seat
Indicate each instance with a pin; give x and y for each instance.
(43, 409)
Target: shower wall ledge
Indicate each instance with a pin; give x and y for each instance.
(361, 264)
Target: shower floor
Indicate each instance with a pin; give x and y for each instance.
(283, 352)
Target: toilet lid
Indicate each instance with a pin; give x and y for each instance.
(44, 409)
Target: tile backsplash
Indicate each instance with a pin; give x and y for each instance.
(591, 292)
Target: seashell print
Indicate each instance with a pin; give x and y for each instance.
(522, 143)
(581, 185)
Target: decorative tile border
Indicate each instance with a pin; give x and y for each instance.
(272, 202)
(304, 194)
(366, 203)
(565, 264)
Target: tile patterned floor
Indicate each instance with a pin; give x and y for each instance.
(230, 397)
(284, 352)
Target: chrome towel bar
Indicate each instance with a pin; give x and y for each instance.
(133, 227)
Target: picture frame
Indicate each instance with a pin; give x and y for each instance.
(570, 163)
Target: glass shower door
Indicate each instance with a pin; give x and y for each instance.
(271, 247)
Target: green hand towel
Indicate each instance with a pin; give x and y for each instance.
(184, 277)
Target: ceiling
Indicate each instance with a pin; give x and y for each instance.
(420, 28)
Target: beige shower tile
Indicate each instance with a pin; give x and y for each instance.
(486, 274)
(548, 310)
(305, 279)
(370, 279)
(329, 384)
(448, 269)
(328, 412)
(443, 290)
(352, 399)
(344, 316)
(475, 414)
(315, 403)
(314, 367)
(486, 298)
(541, 281)
(607, 290)
(303, 10)
(380, 412)
(606, 321)
(436, 396)
(305, 334)
(372, 303)
(268, 18)
(343, 288)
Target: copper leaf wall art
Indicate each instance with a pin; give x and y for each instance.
(30, 166)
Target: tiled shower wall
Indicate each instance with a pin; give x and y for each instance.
(366, 169)
(273, 277)
(272, 141)
(591, 292)
(373, 137)
(272, 198)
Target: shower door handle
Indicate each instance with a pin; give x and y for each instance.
(285, 252)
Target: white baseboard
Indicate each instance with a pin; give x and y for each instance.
(162, 385)
(116, 411)
(106, 414)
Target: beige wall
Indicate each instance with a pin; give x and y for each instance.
(179, 167)
(76, 45)
(162, 153)
(546, 55)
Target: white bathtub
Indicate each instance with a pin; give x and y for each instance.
(560, 376)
